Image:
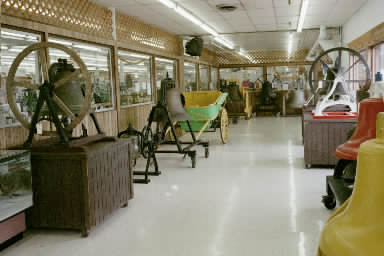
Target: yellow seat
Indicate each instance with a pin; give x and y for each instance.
(357, 227)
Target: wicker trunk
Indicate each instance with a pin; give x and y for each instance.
(322, 137)
(77, 187)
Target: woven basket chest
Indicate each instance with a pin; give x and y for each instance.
(78, 186)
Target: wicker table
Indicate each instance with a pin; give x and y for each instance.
(78, 186)
(321, 138)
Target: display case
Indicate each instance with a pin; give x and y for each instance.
(378, 62)
(190, 77)
(204, 77)
(135, 78)
(98, 61)
(214, 76)
(15, 192)
(12, 43)
(164, 67)
(244, 77)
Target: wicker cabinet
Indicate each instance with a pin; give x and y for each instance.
(77, 187)
(322, 137)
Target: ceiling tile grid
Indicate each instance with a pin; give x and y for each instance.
(250, 17)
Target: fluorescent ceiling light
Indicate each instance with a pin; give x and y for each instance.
(180, 10)
(224, 42)
(168, 3)
(133, 55)
(192, 18)
(165, 60)
(59, 42)
(85, 47)
(303, 12)
(12, 34)
(290, 42)
(209, 29)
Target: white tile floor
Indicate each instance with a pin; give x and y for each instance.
(251, 197)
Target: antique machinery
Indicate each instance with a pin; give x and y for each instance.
(64, 95)
(268, 98)
(338, 85)
(340, 184)
(161, 130)
(356, 228)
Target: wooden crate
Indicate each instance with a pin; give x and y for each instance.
(77, 187)
(322, 137)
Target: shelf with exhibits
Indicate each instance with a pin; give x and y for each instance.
(15, 182)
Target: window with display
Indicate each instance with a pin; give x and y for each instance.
(164, 67)
(378, 62)
(12, 43)
(244, 77)
(135, 78)
(204, 77)
(287, 77)
(98, 61)
(358, 73)
(190, 77)
(214, 73)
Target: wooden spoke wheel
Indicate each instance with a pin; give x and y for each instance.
(43, 49)
(224, 126)
(340, 70)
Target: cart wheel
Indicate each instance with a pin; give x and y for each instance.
(224, 126)
(146, 140)
(206, 152)
(329, 202)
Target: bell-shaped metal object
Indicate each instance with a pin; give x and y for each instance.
(70, 92)
(175, 105)
(365, 129)
(71, 95)
(356, 228)
(296, 98)
(234, 94)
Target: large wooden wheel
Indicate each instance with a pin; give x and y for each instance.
(224, 126)
(43, 49)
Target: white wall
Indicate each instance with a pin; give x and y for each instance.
(367, 17)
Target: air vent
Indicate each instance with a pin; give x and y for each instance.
(226, 7)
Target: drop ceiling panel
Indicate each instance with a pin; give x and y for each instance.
(251, 16)
(257, 4)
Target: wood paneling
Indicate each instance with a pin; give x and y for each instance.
(370, 38)
(137, 116)
(107, 121)
(12, 136)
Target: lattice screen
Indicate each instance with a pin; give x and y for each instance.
(209, 56)
(261, 57)
(129, 29)
(77, 15)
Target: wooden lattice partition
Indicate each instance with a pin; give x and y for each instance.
(76, 15)
(144, 36)
(209, 57)
(261, 57)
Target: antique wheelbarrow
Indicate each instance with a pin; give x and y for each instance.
(207, 109)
